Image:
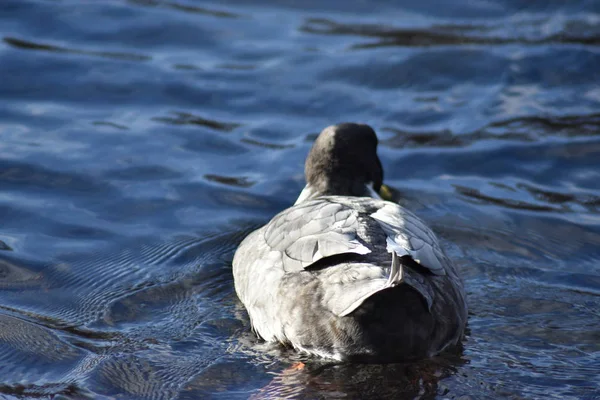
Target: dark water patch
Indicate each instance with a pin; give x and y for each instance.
(187, 67)
(436, 36)
(185, 8)
(519, 129)
(183, 118)
(444, 35)
(199, 145)
(270, 137)
(110, 124)
(586, 200)
(56, 390)
(230, 181)
(27, 45)
(426, 39)
(271, 146)
(521, 205)
(564, 126)
(404, 139)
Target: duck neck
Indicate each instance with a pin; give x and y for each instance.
(354, 189)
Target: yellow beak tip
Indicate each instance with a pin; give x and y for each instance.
(385, 192)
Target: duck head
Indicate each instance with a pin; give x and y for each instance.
(343, 161)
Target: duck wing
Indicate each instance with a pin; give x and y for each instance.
(312, 231)
(324, 228)
(407, 235)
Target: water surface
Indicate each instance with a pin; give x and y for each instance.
(141, 140)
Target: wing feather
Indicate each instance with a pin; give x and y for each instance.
(408, 236)
(314, 230)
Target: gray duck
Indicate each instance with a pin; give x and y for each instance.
(345, 275)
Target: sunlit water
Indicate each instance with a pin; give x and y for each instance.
(140, 141)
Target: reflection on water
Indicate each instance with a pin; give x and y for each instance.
(418, 379)
(140, 141)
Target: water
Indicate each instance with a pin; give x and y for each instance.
(141, 140)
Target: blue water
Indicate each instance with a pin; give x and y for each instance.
(141, 140)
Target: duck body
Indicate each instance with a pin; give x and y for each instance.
(350, 278)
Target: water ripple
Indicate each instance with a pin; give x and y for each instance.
(231, 181)
(182, 118)
(185, 8)
(27, 45)
(444, 35)
(527, 129)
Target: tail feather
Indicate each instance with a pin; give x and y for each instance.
(350, 300)
(396, 272)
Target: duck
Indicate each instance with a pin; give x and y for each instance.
(344, 274)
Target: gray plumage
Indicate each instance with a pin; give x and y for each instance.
(347, 276)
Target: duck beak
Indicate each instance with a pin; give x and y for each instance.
(386, 193)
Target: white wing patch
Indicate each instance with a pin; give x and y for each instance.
(408, 236)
